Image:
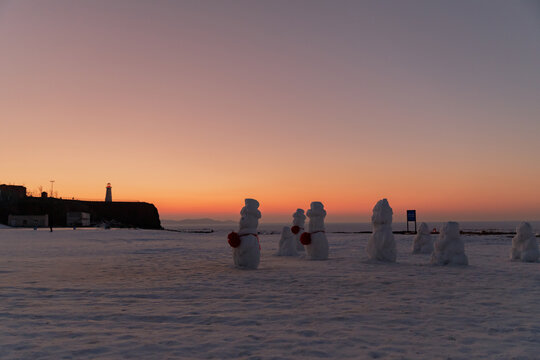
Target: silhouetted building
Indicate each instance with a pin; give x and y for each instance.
(108, 194)
(76, 218)
(12, 192)
(28, 220)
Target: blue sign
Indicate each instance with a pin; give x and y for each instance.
(411, 215)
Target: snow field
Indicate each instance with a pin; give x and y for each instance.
(156, 294)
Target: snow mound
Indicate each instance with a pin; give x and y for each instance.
(449, 248)
(524, 245)
(423, 243)
(248, 254)
(318, 248)
(381, 245)
(287, 243)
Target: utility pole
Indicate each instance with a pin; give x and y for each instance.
(52, 187)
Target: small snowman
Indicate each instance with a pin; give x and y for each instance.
(381, 245)
(315, 240)
(423, 243)
(299, 219)
(287, 243)
(449, 248)
(524, 244)
(245, 243)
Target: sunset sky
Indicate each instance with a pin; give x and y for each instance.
(195, 105)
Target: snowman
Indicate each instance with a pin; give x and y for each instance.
(315, 240)
(299, 219)
(524, 245)
(423, 244)
(381, 245)
(287, 243)
(245, 242)
(449, 248)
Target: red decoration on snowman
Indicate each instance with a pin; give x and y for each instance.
(295, 229)
(234, 239)
(305, 238)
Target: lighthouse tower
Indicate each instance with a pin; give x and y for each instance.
(108, 194)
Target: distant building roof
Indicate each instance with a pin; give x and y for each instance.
(8, 192)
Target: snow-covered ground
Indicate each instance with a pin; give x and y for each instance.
(157, 294)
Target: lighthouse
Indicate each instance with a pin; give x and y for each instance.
(108, 194)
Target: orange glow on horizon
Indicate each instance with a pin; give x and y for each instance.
(347, 195)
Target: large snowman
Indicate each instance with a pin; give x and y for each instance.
(245, 243)
(315, 240)
(381, 245)
(299, 219)
(449, 248)
(524, 244)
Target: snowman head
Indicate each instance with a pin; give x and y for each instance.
(525, 230)
(382, 213)
(299, 217)
(316, 210)
(450, 230)
(424, 229)
(250, 214)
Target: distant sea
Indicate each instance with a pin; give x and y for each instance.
(351, 227)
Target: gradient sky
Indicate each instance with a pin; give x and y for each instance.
(195, 105)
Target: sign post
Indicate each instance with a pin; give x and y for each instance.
(411, 216)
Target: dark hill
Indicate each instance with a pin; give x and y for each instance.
(127, 214)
